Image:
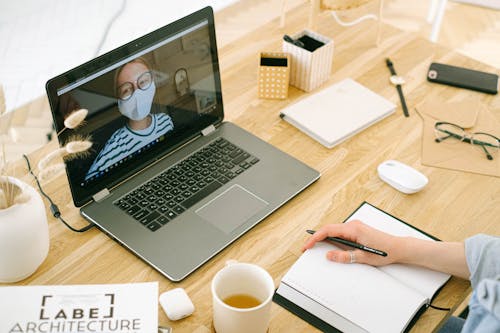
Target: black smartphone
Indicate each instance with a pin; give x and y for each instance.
(463, 78)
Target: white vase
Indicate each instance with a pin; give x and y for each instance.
(24, 235)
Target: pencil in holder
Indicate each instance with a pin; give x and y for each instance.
(311, 61)
(274, 74)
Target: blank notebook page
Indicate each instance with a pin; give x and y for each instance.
(424, 280)
(360, 293)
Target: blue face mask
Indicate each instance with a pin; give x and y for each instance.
(138, 106)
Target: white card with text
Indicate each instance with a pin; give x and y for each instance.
(114, 308)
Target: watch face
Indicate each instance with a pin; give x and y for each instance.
(397, 80)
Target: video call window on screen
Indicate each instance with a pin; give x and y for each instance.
(143, 102)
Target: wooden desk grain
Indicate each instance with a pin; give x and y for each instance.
(453, 206)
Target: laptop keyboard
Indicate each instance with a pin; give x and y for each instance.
(164, 197)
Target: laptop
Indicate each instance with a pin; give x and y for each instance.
(166, 176)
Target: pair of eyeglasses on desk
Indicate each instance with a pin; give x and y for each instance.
(452, 133)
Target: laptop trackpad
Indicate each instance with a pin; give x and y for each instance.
(231, 208)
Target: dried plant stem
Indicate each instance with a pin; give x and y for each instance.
(9, 192)
(61, 131)
(3, 200)
(75, 119)
(77, 147)
(50, 172)
(4, 156)
(46, 161)
(2, 100)
(7, 188)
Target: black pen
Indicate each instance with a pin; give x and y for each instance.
(398, 86)
(352, 244)
(295, 42)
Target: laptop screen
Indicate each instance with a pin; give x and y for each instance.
(144, 99)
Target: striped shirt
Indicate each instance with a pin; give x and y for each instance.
(126, 141)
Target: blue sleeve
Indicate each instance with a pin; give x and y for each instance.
(483, 257)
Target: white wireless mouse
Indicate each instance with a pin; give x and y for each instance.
(401, 176)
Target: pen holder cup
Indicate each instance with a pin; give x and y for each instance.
(311, 65)
(274, 74)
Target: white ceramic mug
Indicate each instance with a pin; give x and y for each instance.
(236, 279)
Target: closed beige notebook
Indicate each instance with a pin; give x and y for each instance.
(338, 112)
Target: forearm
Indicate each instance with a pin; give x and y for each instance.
(447, 257)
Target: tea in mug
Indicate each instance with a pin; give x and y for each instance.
(242, 301)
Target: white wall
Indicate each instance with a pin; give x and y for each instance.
(43, 38)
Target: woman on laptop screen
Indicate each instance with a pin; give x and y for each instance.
(135, 90)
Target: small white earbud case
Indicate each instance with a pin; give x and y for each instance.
(176, 304)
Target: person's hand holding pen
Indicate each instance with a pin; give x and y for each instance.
(447, 257)
(356, 231)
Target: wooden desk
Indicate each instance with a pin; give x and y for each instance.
(453, 206)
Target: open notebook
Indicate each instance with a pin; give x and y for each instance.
(358, 297)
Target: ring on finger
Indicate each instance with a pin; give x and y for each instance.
(352, 257)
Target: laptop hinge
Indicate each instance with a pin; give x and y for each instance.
(207, 130)
(99, 196)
